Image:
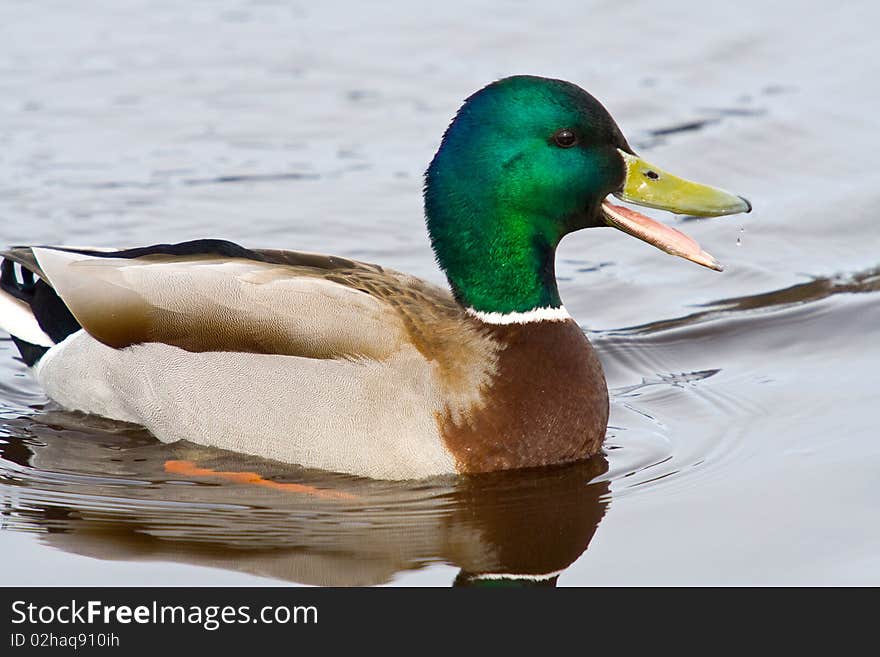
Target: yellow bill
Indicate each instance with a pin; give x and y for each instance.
(650, 186)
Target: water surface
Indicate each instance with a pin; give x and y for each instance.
(743, 441)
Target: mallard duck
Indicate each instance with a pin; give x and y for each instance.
(346, 366)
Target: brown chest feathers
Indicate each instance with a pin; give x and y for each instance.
(546, 403)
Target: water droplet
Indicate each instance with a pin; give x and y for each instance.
(739, 237)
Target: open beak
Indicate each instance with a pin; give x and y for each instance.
(647, 185)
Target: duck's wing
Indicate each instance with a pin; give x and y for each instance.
(213, 295)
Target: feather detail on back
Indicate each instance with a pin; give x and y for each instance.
(226, 298)
(209, 304)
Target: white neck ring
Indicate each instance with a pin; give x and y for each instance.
(548, 314)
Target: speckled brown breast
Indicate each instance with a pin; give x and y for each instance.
(547, 403)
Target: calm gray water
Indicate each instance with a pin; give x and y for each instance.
(744, 444)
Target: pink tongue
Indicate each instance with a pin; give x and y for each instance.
(660, 235)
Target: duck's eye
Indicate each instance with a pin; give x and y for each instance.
(565, 138)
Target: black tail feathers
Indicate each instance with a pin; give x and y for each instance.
(49, 310)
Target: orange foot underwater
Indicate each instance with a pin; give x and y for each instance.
(190, 469)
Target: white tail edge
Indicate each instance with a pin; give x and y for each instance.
(17, 319)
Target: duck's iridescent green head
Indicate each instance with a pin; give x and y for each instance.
(526, 161)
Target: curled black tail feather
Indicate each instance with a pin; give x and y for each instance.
(23, 290)
(49, 310)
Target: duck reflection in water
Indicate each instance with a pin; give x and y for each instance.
(188, 504)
